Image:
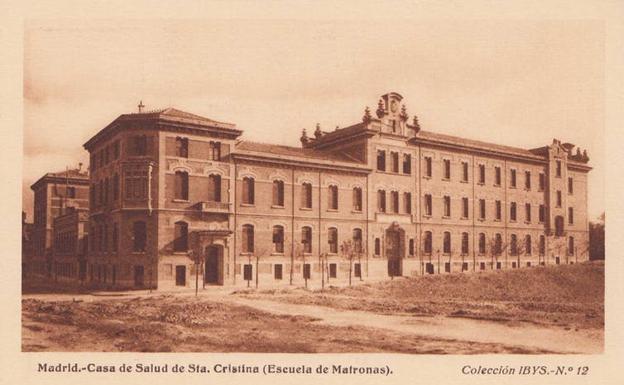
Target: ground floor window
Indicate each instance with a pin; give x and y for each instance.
(181, 275)
(429, 268)
(557, 260)
(465, 266)
(513, 265)
(332, 270)
(447, 267)
(498, 265)
(482, 266)
(528, 264)
(247, 272)
(306, 271)
(277, 271)
(357, 270)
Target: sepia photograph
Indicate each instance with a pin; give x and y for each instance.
(313, 186)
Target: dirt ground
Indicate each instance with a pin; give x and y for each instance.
(561, 310)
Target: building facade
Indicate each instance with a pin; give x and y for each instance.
(176, 199)
(69, 258)
(55, 193)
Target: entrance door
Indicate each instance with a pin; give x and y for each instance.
(212, 265)
(180, 275)
(394, 248)
(138, 276)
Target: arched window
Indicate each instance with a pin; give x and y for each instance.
(214, 188)
(278, 239)
(394, 198)
(248, 239)
(357, 199)
(181, 185)
(381, 201)
(306, 195)
(333, 197)
(570, 245)
(481, 243)
(446, 247)
(306, 239)
(498, 244)
(528, 247)
(332, 240)
(139, 236)
(428, 242)
(513, 245)
(542, 245)
(180, 241)
(278, 193)
(357, 240)
(411, 246)
(377, 246)
(248, 190)
(464, 245)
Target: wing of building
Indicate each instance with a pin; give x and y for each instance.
(174, 196)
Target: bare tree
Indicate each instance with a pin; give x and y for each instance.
(348, 251)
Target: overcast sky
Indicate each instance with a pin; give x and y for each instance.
(518, 83)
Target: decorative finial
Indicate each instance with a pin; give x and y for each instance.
(416, 124)
(304, 137)
(141, 106)
(380, 109)
(367, 116)
(403, 114)
(318, 133)
(337, 128)
(585, 157)
(578, 152)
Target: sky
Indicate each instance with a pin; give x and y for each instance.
(514, 82)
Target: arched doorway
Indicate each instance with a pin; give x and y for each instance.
(395, 249)
(213, 272)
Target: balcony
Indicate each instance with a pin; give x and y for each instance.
(213, 207)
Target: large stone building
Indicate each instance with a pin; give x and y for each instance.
(175, 196)
(55, 193)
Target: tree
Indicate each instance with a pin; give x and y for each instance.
(597, 238)
(348, 251)
(495, 250)
(259, 252)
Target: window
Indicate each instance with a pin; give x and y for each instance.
(306, 271)
(465, 208)
(447, 169)
(136, 183)
(395, 161)
(513, 178)
(180, 241)
(464, 244)
(428, 242)
(247, 272)
(482, 209)
(528, 247)
(558, 226)
(357, 199)
(332, 240)
(464, 266)
(527, 212)
(214, 188)
(139, 236)
(139, 145)
(481, 243)
(381, 201)
(277, 271)
(570, 215)
(499, 210)
(464, 171)
(71, 192)
(407, 201)
(116, 187)
(306, 195)
(411, 247)
(542, 245)
(181, 185)
(570, 245)
(558, 169)
(570, 185)
(558, 198)
(333, 197)
(357, 240)
(248, 190)
(498, 244)
(278, 239)
(542, 213)
(497, 176)
(394, 199)
(381, 160)
(306, 239)
(481, 174)
(513, 245)
(357, 270)
(446, 245)
(527, 180)
(512, 211)
(542, 181)
(278, 193)
(428, 205)
(115, 237)
(181, 146)
(333, 268)
(407, 164)
(377, 246)
(447, 267)
(248, 239)
(428, 168)
(214, 151)
(447, 206)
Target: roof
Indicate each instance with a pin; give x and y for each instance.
(75, 175)
(330, 136)
(308, 153)
(174, 114)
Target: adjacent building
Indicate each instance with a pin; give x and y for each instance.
(177, 198)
